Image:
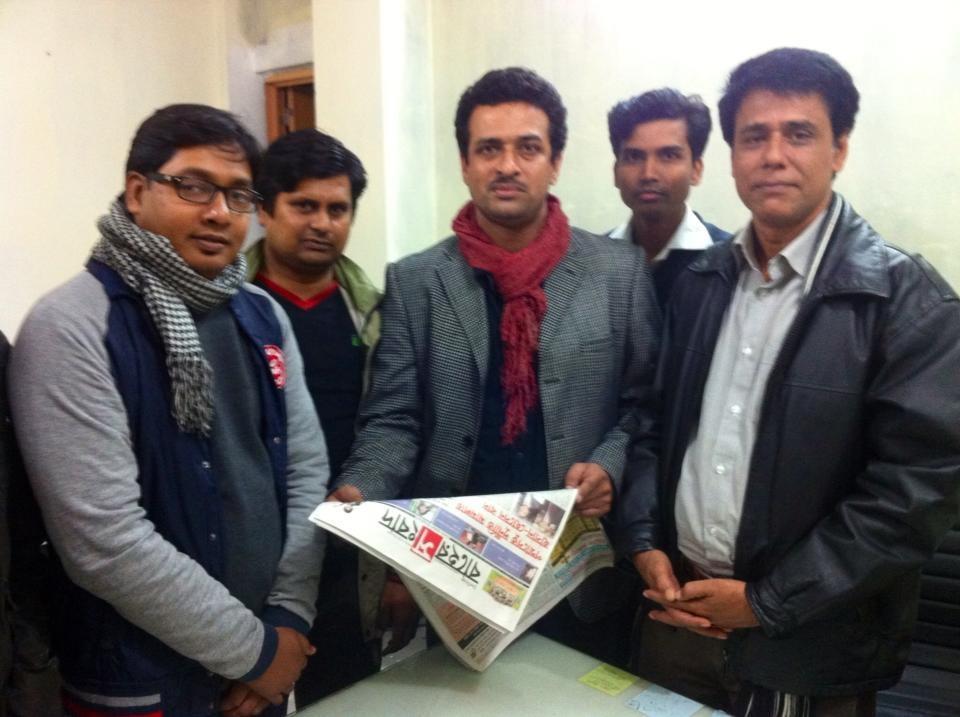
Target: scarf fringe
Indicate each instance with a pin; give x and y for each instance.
(192, 394)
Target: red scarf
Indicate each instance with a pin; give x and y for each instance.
(519, 277)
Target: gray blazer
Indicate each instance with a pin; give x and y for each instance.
(420, 418)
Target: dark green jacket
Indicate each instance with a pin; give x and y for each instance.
(361, 295)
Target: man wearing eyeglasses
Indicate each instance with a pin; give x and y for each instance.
(172, 444)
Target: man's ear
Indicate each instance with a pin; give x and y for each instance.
(263, 215)
(841, 145)
(697, 172)
(557, 162)
(134, 186)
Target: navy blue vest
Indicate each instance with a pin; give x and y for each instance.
(100, 650)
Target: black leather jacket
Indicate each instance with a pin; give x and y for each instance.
(855, 474)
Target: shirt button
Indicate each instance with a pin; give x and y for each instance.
(213, 536)
(746, 351)
(720, 469)
(735, 409)
(712, 530)
(277, 439)
(205, 465)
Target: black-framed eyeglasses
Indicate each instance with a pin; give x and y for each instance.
(200, 191)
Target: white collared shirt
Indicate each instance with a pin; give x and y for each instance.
(691, 234)
(716, 465)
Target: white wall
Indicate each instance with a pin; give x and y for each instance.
(373, 76)
(409, 157)
(77, 79)
(348, 81)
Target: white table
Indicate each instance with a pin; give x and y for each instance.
(533, 677)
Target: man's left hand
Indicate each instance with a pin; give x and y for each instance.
(241, 700)
(346, 494)
(595, 489)
(722, 601)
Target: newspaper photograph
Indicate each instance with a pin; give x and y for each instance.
(582, 549)
(482, 568)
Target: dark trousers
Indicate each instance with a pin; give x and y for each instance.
(607, 639)
(342, 657)
(695, 666)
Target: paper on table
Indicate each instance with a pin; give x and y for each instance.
(663, 703)
(608, 679)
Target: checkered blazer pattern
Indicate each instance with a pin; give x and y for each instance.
(420, 418)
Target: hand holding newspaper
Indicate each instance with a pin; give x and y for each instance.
(482, 568)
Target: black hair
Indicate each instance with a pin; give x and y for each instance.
(665, 103)
(307, 154)
(513, 84)
(179, 126)
(789, 71)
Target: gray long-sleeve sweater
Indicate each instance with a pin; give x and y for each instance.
(73, 430)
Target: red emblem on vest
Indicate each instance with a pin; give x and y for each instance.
(278, 365)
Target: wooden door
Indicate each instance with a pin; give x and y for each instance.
(289, 98)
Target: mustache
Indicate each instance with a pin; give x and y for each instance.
(506, 182)
(651, 187)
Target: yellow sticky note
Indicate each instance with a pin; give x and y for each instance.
(608, 679)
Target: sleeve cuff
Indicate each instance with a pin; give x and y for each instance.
(773, 623)
(267, 653)
(629, 545)
(277, 616)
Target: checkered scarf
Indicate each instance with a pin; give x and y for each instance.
(150, 266)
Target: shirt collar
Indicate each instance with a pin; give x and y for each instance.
(691, 235)
(796, 257)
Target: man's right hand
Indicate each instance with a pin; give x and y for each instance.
(346, 494)
(657, 572)
(292, 652)
(398, 613)
(663, 587)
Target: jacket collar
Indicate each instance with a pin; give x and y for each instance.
(854, 261)
(560, 287)
(466, 297)
(363, 295)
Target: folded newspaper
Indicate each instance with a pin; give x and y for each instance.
(482, 568)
